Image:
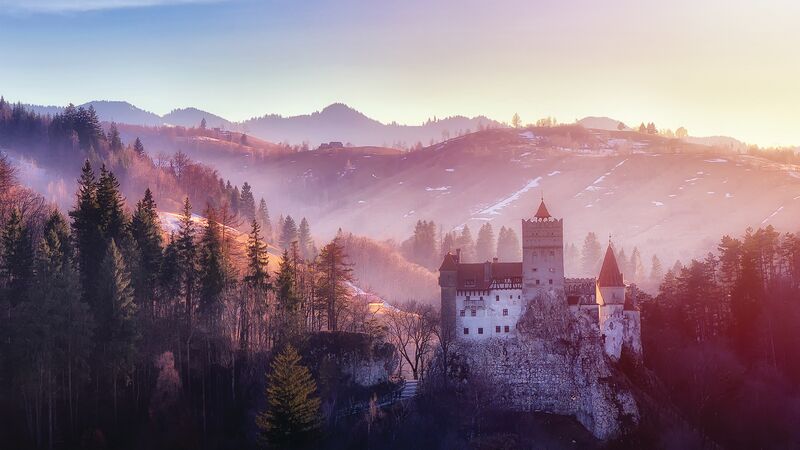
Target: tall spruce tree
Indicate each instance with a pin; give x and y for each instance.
(114, 141)
(110, 205)
(336, 278)
(187, 259)
(466, 244)
(138, 147)
(87, 234)
(145, 229)
(292, 418)
(287, 298)
(304, 240)
(484, 246)
(288, 233)
(591, 252)
(247, 203)
(257, 259)
(263, 219)
(16, 265)
(211, 270)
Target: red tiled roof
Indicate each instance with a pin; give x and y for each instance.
(473, 276)
(610, 276)
(450, 262)
(542, 212)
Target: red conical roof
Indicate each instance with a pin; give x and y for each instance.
(610, 276)
(542, 212)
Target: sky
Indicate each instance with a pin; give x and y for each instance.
(715, 67)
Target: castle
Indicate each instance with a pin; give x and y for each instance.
(548, 343)
(485, 300)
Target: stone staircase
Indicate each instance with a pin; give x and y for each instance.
(409, 389)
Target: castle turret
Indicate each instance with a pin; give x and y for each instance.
(542, 253)
(448, 281)
(610, 294)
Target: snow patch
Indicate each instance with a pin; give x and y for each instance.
(774, 213)
(555, 172)
(716, 160)
(655, 203)
(449, 170)
(728, 195)
(440, 188)
(497, 207)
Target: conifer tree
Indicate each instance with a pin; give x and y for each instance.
(145, 229)
(138, 147)
(16, 265)
(484, 247)
(114, 141)
(288, 233)
(591, 254)
(257, 259)
(304, 239)
(87, 234)
(336, 277)
(287, 298)
(448, 244)
(211, 269)
(235, 200)
(292, 418)
(263, 219)
(116, 329)
(656, 270)
(110, 205)
(466, 244)
(187, 258)
(636, 266)
(247, 203)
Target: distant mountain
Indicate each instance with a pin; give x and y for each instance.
(602, 123)
(191, 117)
(339, 122)
(110, 111)
(336, 122)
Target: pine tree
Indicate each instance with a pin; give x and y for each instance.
(110, 205)
(263, 219)
(591, 254)
(288, 233)
(466, 244)
(247, 204)
(304, 239)
(211, 269)
(484, 247)
(236, 200)
(187, 258)
(656, 270)
(287, 298)
(87, 234)
(292, 418)
(203, 123)
(636, 266)
(114, 141)
(138, 147)
(257, 259)
(448, 244)
(508, 246)
(145, 230)
(16, 265)
(336, 277)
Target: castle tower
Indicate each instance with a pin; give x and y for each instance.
(448, 281)
(542, 254)
(610, 295)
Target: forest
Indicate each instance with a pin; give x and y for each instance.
(236, 331)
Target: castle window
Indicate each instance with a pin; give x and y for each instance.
(480, 330)
(519, 297)
(497, 329)
(535, 269)
(511, 296)
(469, 283)
(552, 253)
(473, 312)
(481, 297)
(550, 281)
(537, 281)
(497, 298)
(505, 312)
(506, 329)
(468, 298)
(466, 330)
(462, 313)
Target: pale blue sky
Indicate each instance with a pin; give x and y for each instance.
(720, 67)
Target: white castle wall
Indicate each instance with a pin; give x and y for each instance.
(496, 313)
